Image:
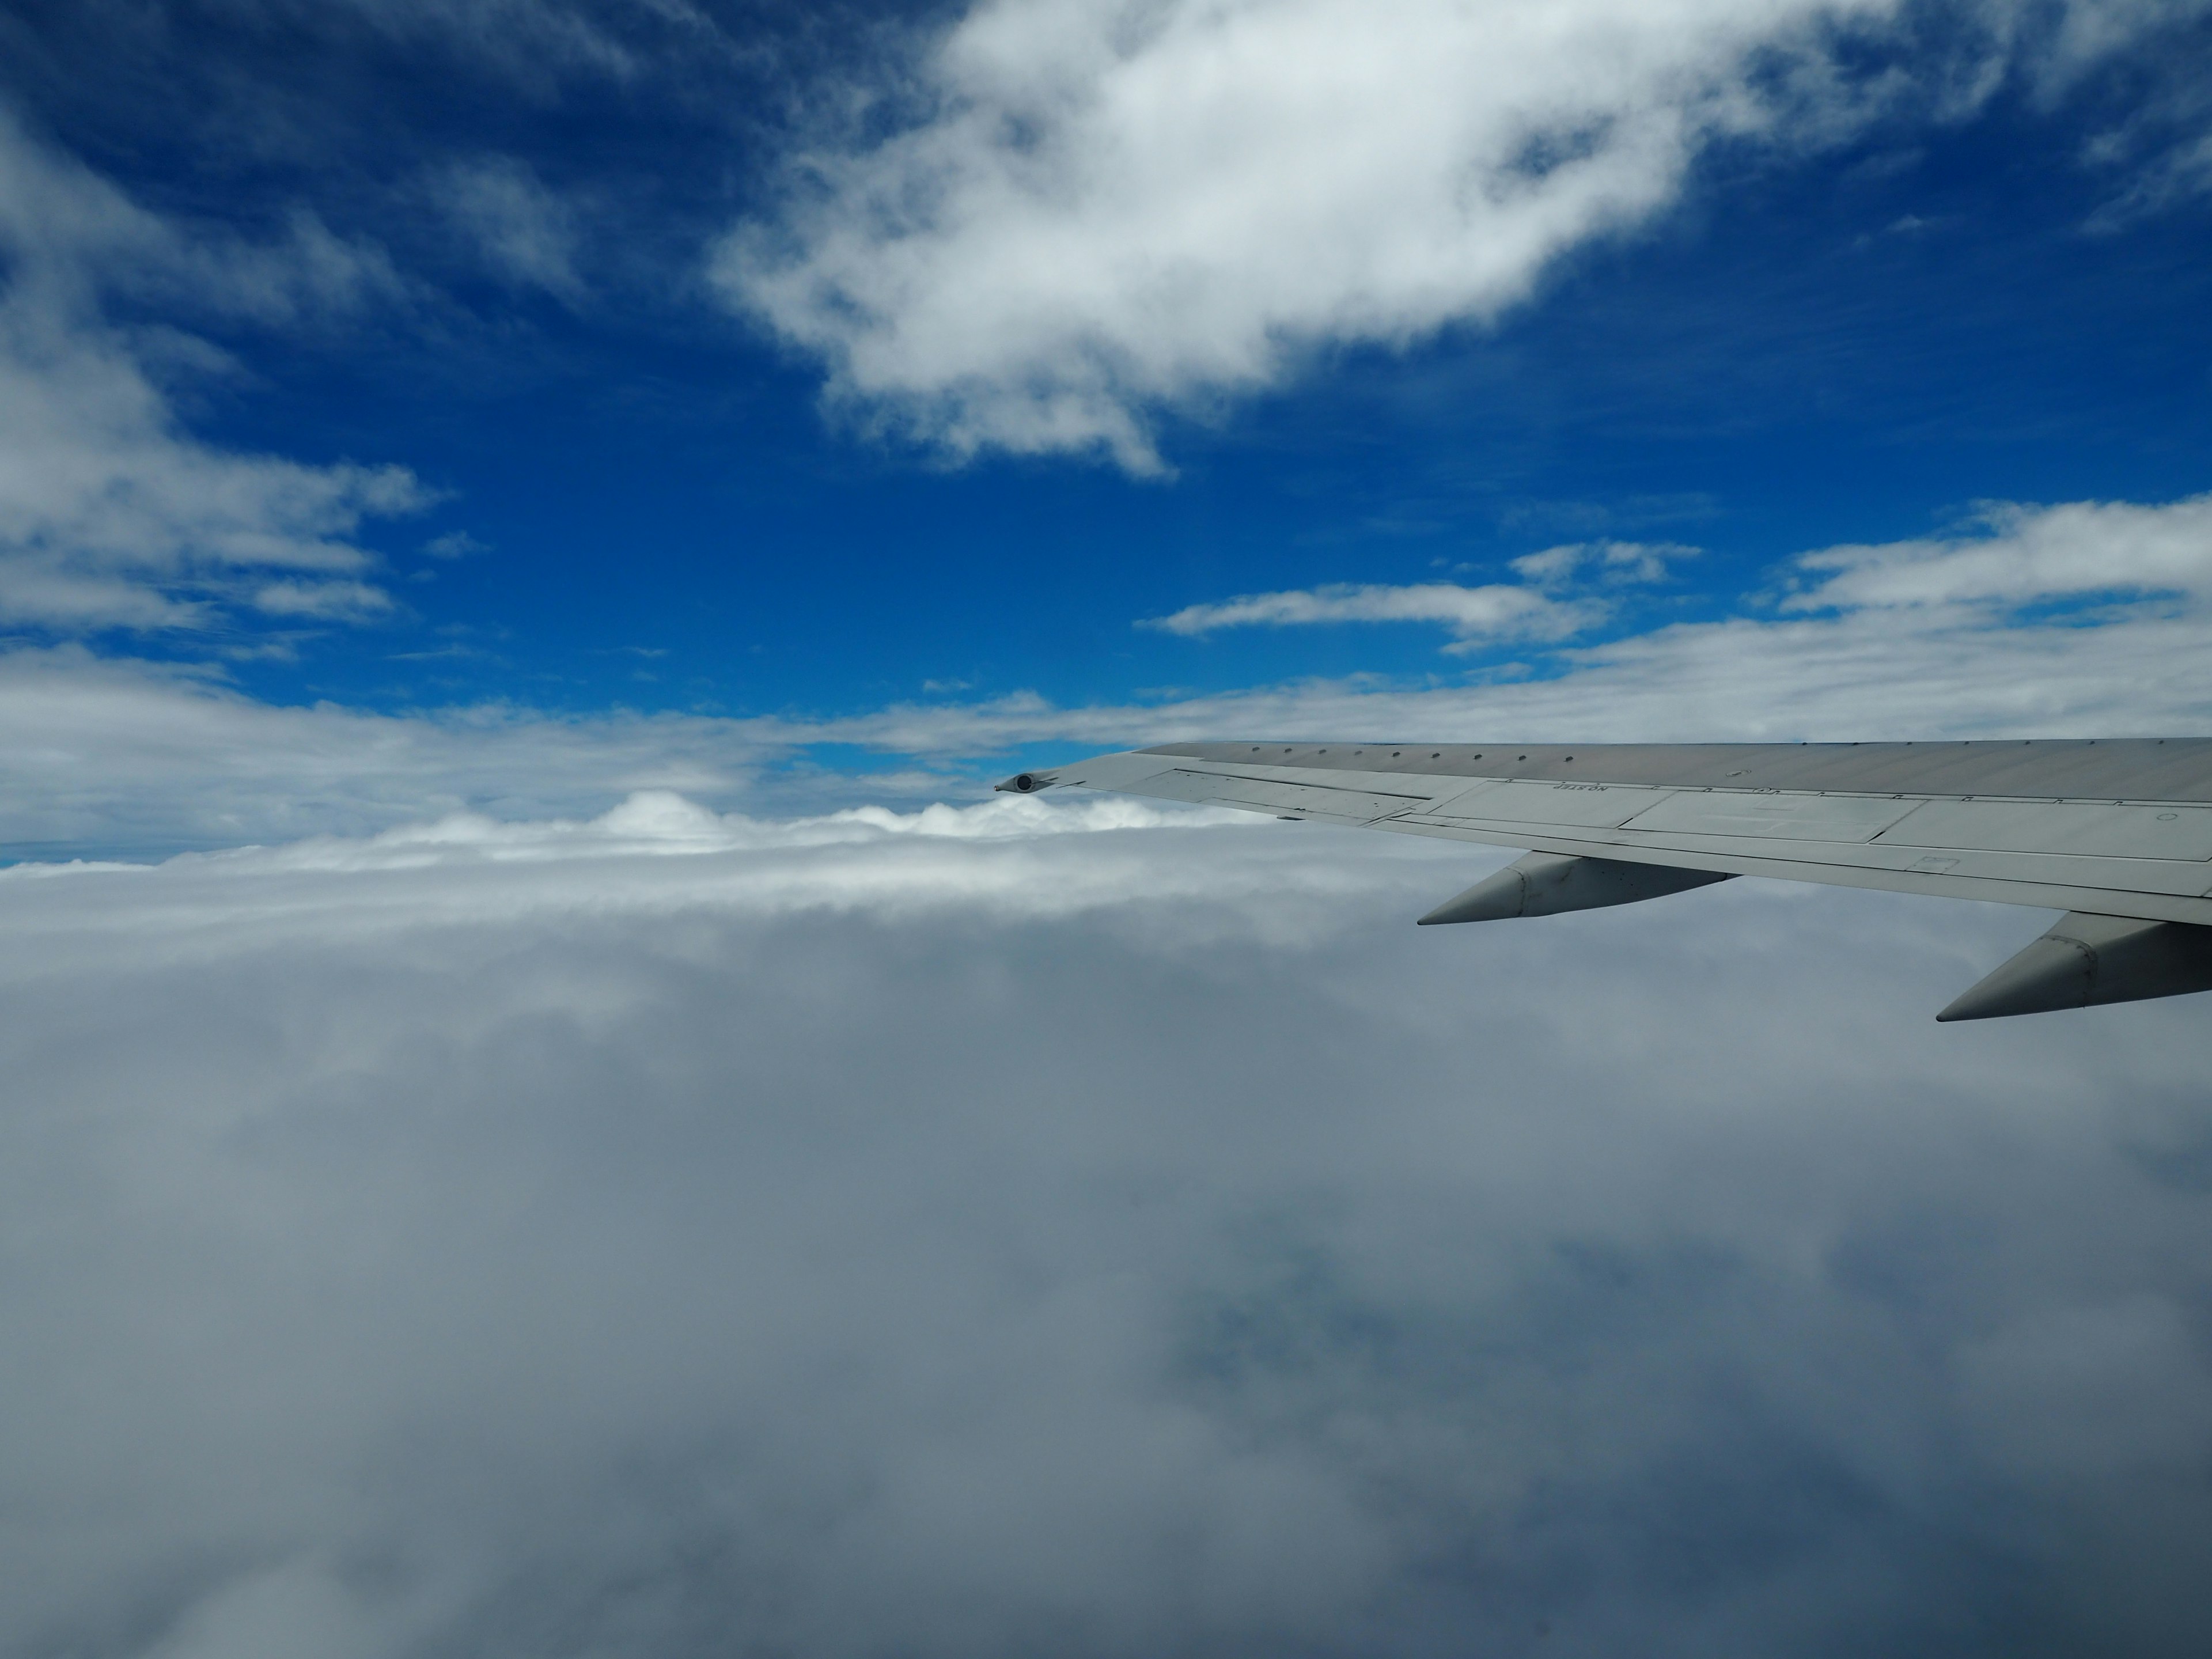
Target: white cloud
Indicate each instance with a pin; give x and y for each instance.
(1610, 562)
(528, 234)
(109, 753)
(1109, 207)
(454, 544)
(662, 823)
(2158, 154)
(71, 237)
(539, 44)
(2091, 32)
(1858, 676)
(324, 601)
(1477, 616)
(1921, 639)
(2015, 554)
(111, 515)
(676, 1233)
(2181, 171)
(2022, 554)
(1494, 612)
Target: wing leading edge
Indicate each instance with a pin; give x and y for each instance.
(2117, 834)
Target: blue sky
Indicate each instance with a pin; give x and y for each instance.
(798, 364)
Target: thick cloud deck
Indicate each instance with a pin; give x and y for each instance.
(675, 1235)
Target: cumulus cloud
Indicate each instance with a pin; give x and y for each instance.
(674, 1233)
(1104, 209)
(112, 515)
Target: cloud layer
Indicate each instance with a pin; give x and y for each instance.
(2084, 619)
(884, 1236)
(1099, 209)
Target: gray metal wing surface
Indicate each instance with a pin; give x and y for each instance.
(2117, 829)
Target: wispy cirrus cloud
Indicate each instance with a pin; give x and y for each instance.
(1545, 609)
(1498, 610)
(524, 232)
(1610, 563)
(112, 514)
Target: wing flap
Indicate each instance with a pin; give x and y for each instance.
(1593, 806)
(1770, 816)
(1270, 795)
(2086, 829)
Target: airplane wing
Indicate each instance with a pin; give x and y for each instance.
(2116, 833)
